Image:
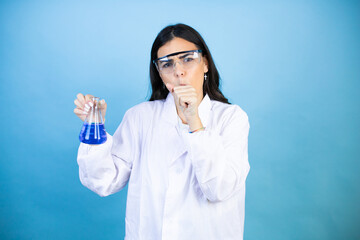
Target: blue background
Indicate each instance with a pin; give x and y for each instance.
(293, 66)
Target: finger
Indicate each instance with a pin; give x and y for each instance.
(187, 100)
(184, 104)
(187, 94)
(88, 99)
(102, 104)
(79, 104)
(81, 98)
(79, 111)
(185, 97)
(184, 88)
(103, 107)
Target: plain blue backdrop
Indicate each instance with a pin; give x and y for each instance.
(293, 66)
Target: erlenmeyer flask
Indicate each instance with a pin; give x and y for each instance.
(93, 130)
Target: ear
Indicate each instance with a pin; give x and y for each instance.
(206, 63)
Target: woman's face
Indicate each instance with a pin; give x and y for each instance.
(182, 76)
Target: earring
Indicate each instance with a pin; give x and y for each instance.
(205, 76)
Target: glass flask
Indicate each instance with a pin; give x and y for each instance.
(93, 130)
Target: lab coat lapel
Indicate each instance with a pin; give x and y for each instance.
(204, 111)
(176, 132)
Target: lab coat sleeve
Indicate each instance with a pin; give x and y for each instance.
(220, 160)
(105, 169)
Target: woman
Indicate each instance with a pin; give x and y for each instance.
(183, 153)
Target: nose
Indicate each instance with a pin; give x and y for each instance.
(178, 69)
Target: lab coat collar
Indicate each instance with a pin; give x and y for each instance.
(171, 114)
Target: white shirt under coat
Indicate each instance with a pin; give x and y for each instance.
(181, 185)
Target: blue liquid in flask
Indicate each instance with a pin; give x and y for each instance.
(93, 133)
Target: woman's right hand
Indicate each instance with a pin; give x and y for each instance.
(83, 104)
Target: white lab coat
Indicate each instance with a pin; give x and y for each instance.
(181, 185)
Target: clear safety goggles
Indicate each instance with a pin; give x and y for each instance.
(187, 59)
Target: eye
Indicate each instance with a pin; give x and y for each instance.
(166, 64)
(188, 59)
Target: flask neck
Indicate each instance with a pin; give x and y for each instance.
(94, 116)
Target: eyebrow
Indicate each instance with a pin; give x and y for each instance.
(185, 55)
(176, 53)
(165, 59)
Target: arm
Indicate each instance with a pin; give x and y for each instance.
(105, 169)
(220, 160)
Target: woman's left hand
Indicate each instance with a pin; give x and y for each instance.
(186, 100)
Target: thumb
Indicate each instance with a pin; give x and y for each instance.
(170, 87)
(103, 107)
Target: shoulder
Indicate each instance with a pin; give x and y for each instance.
(228, 111)
(144, 109)
(230, 118)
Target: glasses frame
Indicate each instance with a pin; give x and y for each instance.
(174, 54)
